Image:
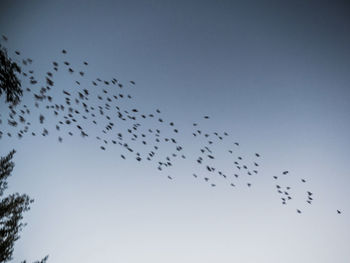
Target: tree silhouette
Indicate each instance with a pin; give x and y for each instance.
(12, 208)
(9, 82)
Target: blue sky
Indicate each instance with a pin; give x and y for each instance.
(273, 75)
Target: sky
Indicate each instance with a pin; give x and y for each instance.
(273, 74)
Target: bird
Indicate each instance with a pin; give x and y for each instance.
(72, 111)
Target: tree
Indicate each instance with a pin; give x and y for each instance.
(9, 82)
(12, 208)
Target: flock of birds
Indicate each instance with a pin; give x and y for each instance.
(106, 106)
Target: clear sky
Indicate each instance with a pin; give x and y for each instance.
(274, 75)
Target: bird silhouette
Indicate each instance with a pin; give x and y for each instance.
(120, 123)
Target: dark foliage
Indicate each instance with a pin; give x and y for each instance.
(12, 208)
(9, 82)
